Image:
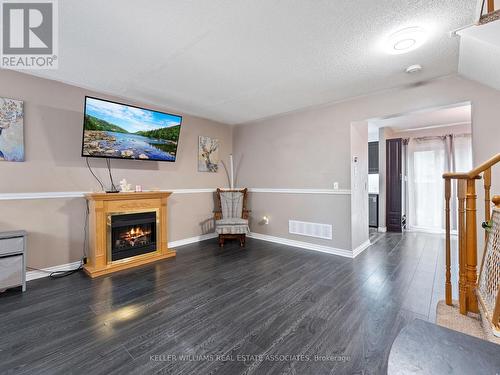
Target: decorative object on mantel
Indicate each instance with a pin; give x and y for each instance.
(126, 230)
(208, 154)
(125, 187)
(231, 215)
(11, 130)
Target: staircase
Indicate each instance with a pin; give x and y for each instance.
(477, 295)
(490, 11)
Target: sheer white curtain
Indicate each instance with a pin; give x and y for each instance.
(426, 164)
(427, 159)
(461, 149)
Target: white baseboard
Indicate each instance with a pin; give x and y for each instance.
(187, 241)
(301, 244)
(361, 248)
(382, 229)
(45, 272)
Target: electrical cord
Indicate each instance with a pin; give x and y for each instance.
(113, 186)
(59, 274)
(93, 174)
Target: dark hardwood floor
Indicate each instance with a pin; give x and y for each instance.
(264, 309)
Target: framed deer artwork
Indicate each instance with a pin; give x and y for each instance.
(11, 130)
(208, 154)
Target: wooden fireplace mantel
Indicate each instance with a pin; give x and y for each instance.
(101, 207)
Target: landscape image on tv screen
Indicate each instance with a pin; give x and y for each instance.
(114, 130)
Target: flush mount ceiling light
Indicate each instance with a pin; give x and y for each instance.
(406, 40)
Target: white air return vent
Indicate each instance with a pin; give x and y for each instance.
(304, 228)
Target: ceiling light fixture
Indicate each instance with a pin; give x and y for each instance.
(404, 44)
(406, 40)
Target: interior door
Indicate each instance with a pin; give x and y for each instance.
(393, 184)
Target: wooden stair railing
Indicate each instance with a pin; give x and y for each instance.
(489, 12)
(467, 231)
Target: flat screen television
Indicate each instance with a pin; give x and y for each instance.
(115, 130)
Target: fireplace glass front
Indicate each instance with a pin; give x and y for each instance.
(133, 234)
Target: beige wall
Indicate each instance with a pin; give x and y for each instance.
(305, 149)
(298, 207)
(311, 148)
(53, 134)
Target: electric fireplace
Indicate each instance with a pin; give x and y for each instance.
(126, 230)
(132, 234)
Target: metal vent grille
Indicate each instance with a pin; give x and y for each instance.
(304, 228)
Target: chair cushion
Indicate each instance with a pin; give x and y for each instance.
(232, 221)
(231, 204)
(232, 226)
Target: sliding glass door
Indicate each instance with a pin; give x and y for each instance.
(427, 159)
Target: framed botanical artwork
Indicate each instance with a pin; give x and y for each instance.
(208, 154)
(11, 130)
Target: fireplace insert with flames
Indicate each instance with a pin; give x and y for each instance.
(132, 234)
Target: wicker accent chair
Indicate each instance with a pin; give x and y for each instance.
(231, 215)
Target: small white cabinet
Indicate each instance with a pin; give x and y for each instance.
(12, 260)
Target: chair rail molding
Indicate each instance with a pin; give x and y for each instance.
(301, 191)
(81, 194)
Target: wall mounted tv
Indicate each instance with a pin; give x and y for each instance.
(114, 130)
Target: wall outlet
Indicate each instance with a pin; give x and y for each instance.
(335, 186)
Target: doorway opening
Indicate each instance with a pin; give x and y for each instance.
(412, 151)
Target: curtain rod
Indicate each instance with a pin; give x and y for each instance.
(429, 137)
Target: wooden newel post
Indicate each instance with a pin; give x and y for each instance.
(462, 259)
(447, 195)
(471, 246)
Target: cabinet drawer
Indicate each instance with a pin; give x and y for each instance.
(11, 271)
(11, 245)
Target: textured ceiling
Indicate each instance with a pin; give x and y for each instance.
(237, 61)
